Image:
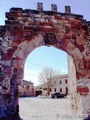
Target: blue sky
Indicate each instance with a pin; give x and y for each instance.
(45, 56)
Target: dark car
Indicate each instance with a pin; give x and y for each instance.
(58, 95)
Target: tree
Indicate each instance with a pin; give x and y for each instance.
(45, 75)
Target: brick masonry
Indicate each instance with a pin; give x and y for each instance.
(25, 30)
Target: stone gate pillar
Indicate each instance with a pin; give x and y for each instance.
(9, 108)
(79, 92)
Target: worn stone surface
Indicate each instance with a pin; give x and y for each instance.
(28, 29)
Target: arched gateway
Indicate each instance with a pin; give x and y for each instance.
(26, 30)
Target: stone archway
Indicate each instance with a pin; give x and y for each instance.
(26, 30)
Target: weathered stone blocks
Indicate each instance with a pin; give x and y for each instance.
(28, 29)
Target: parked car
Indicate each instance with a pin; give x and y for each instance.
(58, 95)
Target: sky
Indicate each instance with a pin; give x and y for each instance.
(45, 56)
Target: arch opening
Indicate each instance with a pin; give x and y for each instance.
(51, 53)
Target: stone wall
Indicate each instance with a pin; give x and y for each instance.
(25, 30)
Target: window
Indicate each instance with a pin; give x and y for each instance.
(54, 82)
(60, 82)
(66, 90)
(60, 89)
(54, 89)
(27, 86)
(65, 80)
(44, 88)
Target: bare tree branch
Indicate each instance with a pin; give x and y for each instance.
(47, 73)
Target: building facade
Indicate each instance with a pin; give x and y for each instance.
(58, 83)
(41, 89)
(26, 88)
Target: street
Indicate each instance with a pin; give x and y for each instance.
(35, 108)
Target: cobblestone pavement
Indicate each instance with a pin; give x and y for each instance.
(45, 109)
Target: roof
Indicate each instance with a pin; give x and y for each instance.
(41, 85)
(29, 82)
(61, 76)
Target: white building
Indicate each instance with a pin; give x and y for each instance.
(58, 83)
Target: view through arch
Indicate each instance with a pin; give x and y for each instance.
(38, 59)
(43, 57)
